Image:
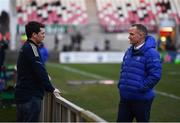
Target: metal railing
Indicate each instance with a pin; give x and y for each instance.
(57, 109)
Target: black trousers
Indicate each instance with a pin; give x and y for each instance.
(29, 111)
(128, 110)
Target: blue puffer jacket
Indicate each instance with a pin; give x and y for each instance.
(141, 71)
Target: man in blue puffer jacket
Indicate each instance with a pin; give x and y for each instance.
(140, 72)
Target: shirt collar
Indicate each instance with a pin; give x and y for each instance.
(138, 47)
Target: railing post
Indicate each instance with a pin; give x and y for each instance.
(41, 117)
(46, 109)
(54, 110)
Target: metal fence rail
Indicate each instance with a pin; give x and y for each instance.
(57, 109)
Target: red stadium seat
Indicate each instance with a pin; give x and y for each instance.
(52, 12)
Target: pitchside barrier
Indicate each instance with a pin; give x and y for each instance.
(57, 109)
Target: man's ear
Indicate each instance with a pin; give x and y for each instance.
(34, 34)
(142, 34)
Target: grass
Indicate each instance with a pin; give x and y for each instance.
(103, 99)
(7, 114)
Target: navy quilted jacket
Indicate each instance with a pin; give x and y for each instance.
(141, 71)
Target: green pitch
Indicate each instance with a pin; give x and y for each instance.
(103, 99)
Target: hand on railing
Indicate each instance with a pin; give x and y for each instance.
(56, 92)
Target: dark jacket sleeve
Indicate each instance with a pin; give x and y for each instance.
(153, 71)
(38, 68)
(4, 45)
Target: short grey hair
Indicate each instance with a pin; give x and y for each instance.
(141, 28)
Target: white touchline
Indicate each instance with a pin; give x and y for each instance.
(70, 69)
(168, 95)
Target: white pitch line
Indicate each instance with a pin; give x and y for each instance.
(168, 95)
(70, 69)
(173, 73)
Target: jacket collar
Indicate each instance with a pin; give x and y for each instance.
(149, 43)
(30, 41)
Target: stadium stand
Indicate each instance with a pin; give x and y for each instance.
(52, 11)
(93, 17)
(117, 15)
(114, 15)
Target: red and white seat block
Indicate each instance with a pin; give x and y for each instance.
(73, 12)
